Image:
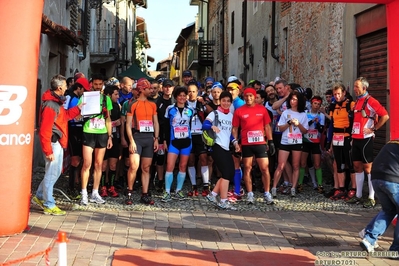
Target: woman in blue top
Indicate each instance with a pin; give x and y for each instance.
(179, 117)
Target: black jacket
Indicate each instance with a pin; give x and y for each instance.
(386, 164)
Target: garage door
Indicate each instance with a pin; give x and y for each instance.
(373, 66)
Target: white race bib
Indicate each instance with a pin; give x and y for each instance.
(294, 138)
(97, 123)
(312, 135)
(356, 128)
(338, 140)
(146, 126)
(181, 132)
(255, 136)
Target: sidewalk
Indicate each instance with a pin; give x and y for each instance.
(194, 238)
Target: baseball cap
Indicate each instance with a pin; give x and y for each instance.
(217, 85)
(168, 82)
(187, 73)
(84, 82)
(233, 86)
(231, 79)
(143, 84)
(209, 79)
(250, 90)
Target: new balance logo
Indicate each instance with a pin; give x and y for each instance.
(11, 99)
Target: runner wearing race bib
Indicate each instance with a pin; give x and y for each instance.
(254, 121)
(311, 144)
(142, 130)
(340, 113)
(178, 123)
(293, 123)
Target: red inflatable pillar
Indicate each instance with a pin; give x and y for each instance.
(393, 65)
(20, 23)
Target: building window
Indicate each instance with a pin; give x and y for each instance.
(232, 27)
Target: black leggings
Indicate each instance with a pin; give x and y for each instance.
(224, 162)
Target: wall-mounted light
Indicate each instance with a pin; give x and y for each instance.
(200, 33)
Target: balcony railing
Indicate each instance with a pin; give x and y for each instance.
(104, 42)
(192, 58)
(205, 53)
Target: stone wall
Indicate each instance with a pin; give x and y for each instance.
(313, 54)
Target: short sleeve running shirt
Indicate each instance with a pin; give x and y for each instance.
(96, 123)
(313, 135)
(179, 121)
(292, 135)
(372, 108)
(252, 121)
(225, 125)
(143, 112)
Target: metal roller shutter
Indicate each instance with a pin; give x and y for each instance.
(373, 66)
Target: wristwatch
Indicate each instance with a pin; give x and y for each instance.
(110, 136)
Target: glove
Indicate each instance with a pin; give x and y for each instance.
(272, 149)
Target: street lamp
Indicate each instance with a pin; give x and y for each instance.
(200, 33)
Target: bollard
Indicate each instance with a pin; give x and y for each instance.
(62, 249)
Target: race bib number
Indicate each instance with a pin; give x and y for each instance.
(97, 123)
(113, 129)
(356, 128)
(146, 126)
(312, 135)
(196, 125)
(181, 132)
(294, 138)
(255, 136)
(338, 140)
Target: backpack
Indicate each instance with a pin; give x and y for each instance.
(208, 135)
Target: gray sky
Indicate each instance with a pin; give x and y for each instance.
(165, 19)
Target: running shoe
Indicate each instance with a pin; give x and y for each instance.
(338, 194)
(353, 200)
(179, 195)
(193, 193)
(36, 201)
(366, 245)
(166, 197)
(112, 192)
(274, 192)
(96, 198)
(54, 211)
(330, 193)
(205, 191)
(361, 235)
(212, 199)
(250, 199)
(234, 198)
(129, 200)
(103, 192)
(320, 189)
(226, 206)
(300, 188)
(369, 203)
(268, 199)
(293, 192)
(351, 194)
(146, 199)
(84, 200)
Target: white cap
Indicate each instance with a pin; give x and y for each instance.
(231, 79)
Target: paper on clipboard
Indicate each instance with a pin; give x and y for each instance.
(92, 104)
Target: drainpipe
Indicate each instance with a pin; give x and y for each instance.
(245, 40)
(84, 26)
(273, 43)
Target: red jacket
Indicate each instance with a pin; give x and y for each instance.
(54, 120)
